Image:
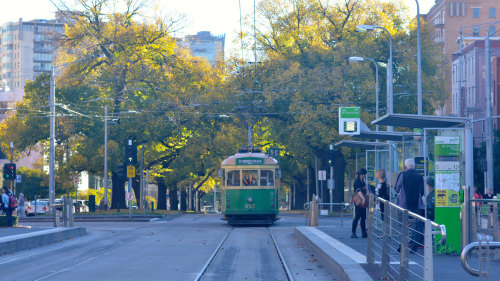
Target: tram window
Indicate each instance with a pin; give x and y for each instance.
(266, 178)
(250, 177)
(233, 178)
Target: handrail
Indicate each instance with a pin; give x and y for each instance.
(307, 204)
(466, 251)
(486, 200)
(442, 228)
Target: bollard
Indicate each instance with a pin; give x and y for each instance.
(313, 212)
(342, 215)
(386, 240)
(370, 251)
(152, 207)
(403, 263)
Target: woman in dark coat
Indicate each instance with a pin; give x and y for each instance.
(361, 189)
(382, 189)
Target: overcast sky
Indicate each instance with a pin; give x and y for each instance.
(217, 16)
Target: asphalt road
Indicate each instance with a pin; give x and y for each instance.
(174, 249)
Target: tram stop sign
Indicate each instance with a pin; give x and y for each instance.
(274, 152)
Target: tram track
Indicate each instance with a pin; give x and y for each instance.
(209, 265)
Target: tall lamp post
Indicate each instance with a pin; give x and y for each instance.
(390, 107)
(419, 63)
(360, 59)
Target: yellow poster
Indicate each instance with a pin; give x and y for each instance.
(130, 171)
(441, 198)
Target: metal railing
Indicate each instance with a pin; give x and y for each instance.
(467, 251)
(390, 227)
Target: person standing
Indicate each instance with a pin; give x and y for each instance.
(6, 205)
(382, 189)
(410, 189)
(361, 189)
(430, 199)
(489, 195)
(20, 203)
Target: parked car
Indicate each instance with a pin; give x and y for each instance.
(208, 209)
(82, 206)
(42, 207)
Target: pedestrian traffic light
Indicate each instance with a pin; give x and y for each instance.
(130, 154)
(9, 171)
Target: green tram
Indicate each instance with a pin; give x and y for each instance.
(250, 187)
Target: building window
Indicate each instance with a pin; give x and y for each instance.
(492, 31)
(463, 9)
(451, 9)
(475, 13)
(458, 8)
(475, 31)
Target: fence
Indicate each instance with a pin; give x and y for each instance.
(388, 227)
(343, 208)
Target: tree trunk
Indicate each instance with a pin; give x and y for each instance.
(118, 192)
(172, 194)
(136, 186)
(183, 200)
(162, 194)
(338, 175)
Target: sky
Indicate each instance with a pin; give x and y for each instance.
(217, 16)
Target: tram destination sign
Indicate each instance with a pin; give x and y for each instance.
(249, 161)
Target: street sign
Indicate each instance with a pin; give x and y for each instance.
(129, 196)
(321, 175)
(274, 152)
(130, 171)
(18, 178)
(331, 184)
(349, 120)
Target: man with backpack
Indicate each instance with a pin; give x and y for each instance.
(9, 202)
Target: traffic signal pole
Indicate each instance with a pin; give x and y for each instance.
(11, 158)
(130, 189)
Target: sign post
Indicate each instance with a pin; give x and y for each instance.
(349, 120)
(131, 159)
(447, 209)
(322, 178)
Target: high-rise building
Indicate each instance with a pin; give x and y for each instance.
(206, 45)
(27, 49)
(447, 16)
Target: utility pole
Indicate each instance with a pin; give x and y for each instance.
(419, 62)
(308, 183)
(316, 173)
(11, 146)
(460, 78)
(330, 188)
(52, 105)
(106, 157)
(141, 178)
(489, 125)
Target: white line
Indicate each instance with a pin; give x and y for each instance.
(39, 253)
(67, 268)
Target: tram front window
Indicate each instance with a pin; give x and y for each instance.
(250, 177)
(233, 178)
(266, 178)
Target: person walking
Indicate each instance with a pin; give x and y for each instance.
(20, 208)
(489, 195)
(410, 189)
(361, 190)
(430, 199)
(382, 190)
(6, 205)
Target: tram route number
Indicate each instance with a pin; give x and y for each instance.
(274, 152)
(249, 206)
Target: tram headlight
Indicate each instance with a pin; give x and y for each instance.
(250, 199)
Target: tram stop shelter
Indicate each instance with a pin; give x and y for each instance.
(450, 216)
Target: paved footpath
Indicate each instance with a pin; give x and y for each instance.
(446, 267)
(8, 231)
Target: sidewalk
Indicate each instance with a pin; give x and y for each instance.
(446, 267)
(8, 231)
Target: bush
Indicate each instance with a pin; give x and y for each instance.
(3, 220)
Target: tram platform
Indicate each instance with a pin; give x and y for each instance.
(446, 267)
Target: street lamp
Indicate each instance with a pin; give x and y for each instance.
(365, 27)
(360, 59)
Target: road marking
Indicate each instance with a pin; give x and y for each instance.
(346, 250)
(39, 253)
(67, 268)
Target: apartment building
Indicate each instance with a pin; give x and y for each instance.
(26, 50)
(448, 17)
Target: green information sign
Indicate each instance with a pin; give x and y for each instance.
(349, 120)
(447, 173)
(250, 161)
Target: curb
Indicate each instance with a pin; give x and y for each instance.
(123, 218)
(335, 261)
(25, 241)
